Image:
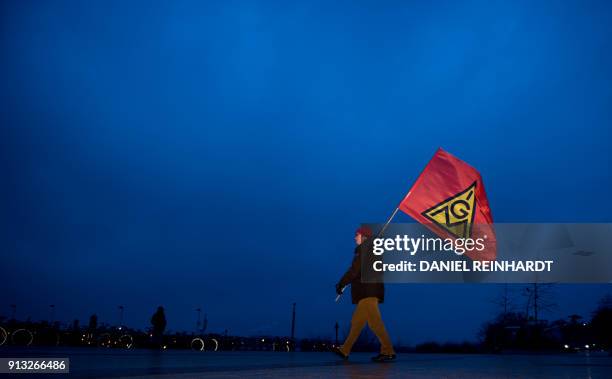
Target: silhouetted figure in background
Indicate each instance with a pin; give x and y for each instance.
(159, 325)
(93, 323)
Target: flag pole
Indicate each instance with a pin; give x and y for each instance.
(340, 294)
(382, 231)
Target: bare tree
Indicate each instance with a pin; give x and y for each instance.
(505, 299)
(538, 300)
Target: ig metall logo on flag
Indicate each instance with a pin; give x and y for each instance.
(455, 214)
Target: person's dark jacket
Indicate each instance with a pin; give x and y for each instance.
(352, 276)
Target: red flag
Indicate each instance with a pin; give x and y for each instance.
(450, 199)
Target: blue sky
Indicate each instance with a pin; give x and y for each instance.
(221, 154)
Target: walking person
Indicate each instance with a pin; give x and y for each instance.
(159, 325)
(366, 296)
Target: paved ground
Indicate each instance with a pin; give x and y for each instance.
(422, 366)
(104, 363)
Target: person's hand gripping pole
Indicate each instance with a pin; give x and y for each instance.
(339, 291)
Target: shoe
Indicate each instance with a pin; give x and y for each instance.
(336, 350)
(384, 358)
